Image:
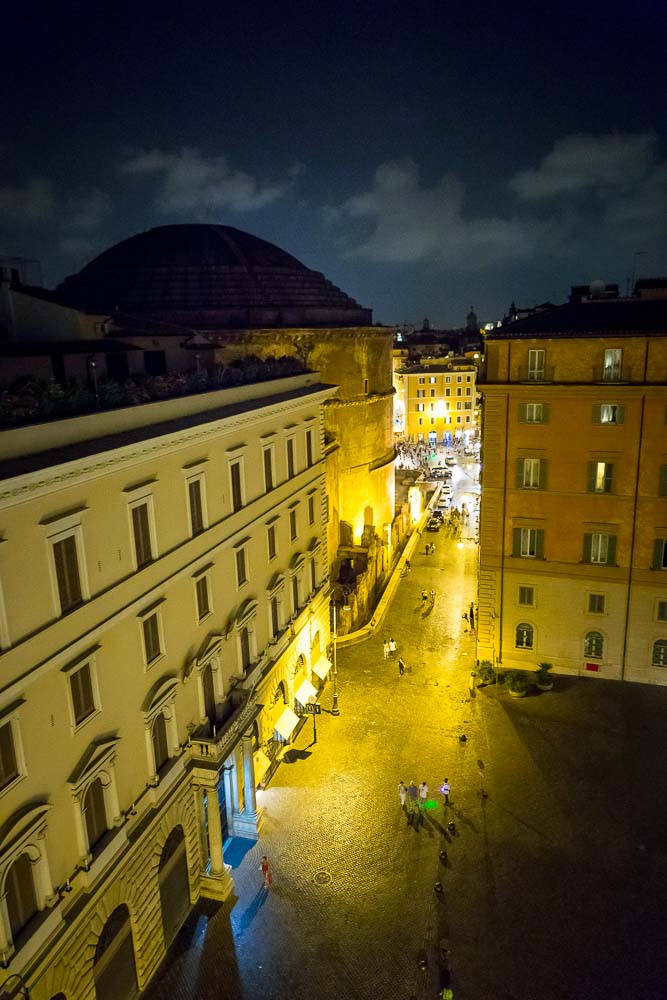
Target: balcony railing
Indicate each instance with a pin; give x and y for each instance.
(612, 373)
(543, 374)
(210, 750)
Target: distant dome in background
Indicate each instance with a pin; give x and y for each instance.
(209, 277)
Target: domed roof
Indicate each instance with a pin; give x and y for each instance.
(209, 277)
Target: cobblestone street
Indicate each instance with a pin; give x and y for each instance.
(555, 884)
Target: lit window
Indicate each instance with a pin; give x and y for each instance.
(600, 477)
(528, 543)
(612, 364)
(610, 413)
(536, 359)
(531, 473)
(524, 636)
(659, 657)
(599, 548)
(593, 644)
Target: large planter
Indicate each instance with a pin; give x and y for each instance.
(544, 686)
(518, 693)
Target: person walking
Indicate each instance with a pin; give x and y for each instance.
(402, 792)
(401, 666)
(433, 597)
(471, 617)
(267, 874)
(385, 648)
(444, 788)
(392, 648)
(423, 795)
(424, 597)
(412, 798)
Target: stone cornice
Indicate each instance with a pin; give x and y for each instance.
(374, 397)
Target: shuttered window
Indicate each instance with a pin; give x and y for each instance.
(237, 492)
(8, 763)
(309, 447)
(608, 413)
(600, 547)
(528, 543)
(151, 630)
(600, 477)
(659, 554)
(271, 540)
(143, 548)
(67, 573)
(241, 570)
(81, 690)
(593, 644)
(290, 458)
(94, 813)
(196, 506)
(203, 603)
(659, 656)
(159, 739)
(531, 473)
(268, 470)
(20, 897)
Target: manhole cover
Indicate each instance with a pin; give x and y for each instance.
(321, 878)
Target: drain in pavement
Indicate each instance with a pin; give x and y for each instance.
(321, 878)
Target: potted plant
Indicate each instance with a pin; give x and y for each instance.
(486, 673)
(517, 683)
(542, 677)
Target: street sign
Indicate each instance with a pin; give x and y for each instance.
(312, 709)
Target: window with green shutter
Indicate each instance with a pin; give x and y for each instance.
(81, 689)
(599, 547)
(608, 413)
(600, 477)
(659, 553)
(66, 561)
(528, 543)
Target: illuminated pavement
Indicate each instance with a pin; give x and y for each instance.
(556, 883)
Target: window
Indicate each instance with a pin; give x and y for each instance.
(527, 596)
(432, 420)
(596, 603)
(536, 360)
(295, 594)
(269, 478)
(599, 547)
(659, 553)
(290, 458)
(458, 392)
(448, 379)
(151, 629)
(21, 899)
(244, 640)
(468, 392)
(196, 505)
(141, 533)
(467, 405)
(82, 693)
(420, 407)
(275, 615)
(66, 560)
(593, 644)
(432, 379)
(612, 365)
(4, 627)
(662, 481)
(159, 741)
(448, 392)
(421, 393)
(202, 595)
(661, 611)
(313, 575)
(459, 406)
(421, 421)
(292, 524)
(524, 636)
(421, 380)
(94, 813)
(528, 543)
(311, 509)
(659, 656)
(458, 378)
(432, 393)
(309, 438)
(241, 568)
(9, 763)
(608, 413)
(531, 473)
(236, 481)
(271, 541)
(533, 413)
(600, 477)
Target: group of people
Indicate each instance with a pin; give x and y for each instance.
(389, 648)
(428, 596)
(413, 798)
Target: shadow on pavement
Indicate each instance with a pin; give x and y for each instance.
(236, 850)
(243, 922)
(292, 756)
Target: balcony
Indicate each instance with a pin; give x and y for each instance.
(532, 375)
(612, 374)
(208, 752)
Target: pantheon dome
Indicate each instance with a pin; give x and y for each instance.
(209, 277)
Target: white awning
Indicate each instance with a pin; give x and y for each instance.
(322, 667)
(287, 723)
(305, 693)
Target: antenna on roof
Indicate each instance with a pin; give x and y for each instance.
(638, 253)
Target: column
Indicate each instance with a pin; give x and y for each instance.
(43, 871)
(6, 946)
(215, 832)
(248, 776)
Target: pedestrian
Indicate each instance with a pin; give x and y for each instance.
(433, 597)
(385, 648)
(423, 794)
(444, 788)
(471, 616)
(424, 597)
(412, 797)
(407, 566)
(402, 792)
(433, 549)
(267, 874)
(401, 667)
(392, 648)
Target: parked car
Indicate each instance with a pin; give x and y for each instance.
(439, 513)
(433, 524)
(450, 460)
(446, 489)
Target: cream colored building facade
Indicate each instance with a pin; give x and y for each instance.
(164, 614)
(573, 539)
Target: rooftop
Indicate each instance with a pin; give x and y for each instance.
(590, 318)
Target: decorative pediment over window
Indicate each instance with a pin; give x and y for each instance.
(209, 647)
(160, 695)
(22, 825)
(297, 562)
(245, 613)
(276, 583)
(96, 757)
(314, 545)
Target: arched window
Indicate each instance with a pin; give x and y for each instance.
(21, 898)
(593, 644)
(524, 636)
(95, 813)
(659, 658)
(245, 648)
(160, 745)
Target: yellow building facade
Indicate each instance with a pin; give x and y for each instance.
(164, 616)
(573, 539)
(435, 401)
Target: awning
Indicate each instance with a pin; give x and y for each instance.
(322, 667)
(305, 693)
(287, 723)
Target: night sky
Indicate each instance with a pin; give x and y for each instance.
(424, 156)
